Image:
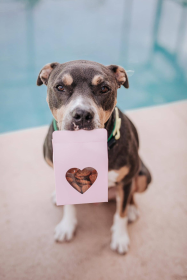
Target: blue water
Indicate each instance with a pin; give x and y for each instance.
(149, 37)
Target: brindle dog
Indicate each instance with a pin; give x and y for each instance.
(82, 95)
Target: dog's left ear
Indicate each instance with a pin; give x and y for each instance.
(120, 75)
(45, 73)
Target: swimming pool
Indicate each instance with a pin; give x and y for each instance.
(149, 37)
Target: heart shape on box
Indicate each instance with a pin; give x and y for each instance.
(81, 180)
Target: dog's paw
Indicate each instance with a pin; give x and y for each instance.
(64, 230)
(132, 213)
(53, 198)
(120, 238)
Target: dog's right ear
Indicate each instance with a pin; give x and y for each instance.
(120, 75)
(45, 73)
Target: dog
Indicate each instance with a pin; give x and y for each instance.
(83, 95)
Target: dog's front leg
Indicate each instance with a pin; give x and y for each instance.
(120, 238)
(66, 228)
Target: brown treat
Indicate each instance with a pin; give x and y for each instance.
(90, 169)
(81, 178)
(94, 171)
(70, 175)
(74, 185)
(83, 172)
(85, 188)
(83, 182)
(93, 177)
(72, 170)
(77, 176)
(69, 179)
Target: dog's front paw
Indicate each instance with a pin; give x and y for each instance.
(132, 213)
(120, 238)
(64, 230)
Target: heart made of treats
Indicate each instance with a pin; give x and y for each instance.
(81, 180)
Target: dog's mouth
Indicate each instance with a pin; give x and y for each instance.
(76, 127)
(80, 120)
(73, 126)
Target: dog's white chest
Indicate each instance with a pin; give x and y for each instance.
(112, 178)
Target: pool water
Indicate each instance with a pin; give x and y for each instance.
(146, 36)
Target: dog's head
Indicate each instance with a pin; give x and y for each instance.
(82, 94)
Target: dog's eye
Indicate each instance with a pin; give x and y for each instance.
(60, 88)
(104, 89)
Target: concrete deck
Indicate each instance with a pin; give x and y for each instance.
(158, 239)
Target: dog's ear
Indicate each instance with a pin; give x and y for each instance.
(45, 73)
(120, 75)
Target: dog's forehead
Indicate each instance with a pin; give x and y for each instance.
(83, 71)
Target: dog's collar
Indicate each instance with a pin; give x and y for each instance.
(115, 134)
(55, 125)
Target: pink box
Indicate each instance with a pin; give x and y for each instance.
(81, 166)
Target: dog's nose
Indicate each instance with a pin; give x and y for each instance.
(80, 115)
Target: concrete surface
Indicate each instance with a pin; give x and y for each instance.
(158, 239)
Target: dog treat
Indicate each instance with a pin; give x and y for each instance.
(78, 177)
(83, 173)
(85, 188)
(76, 186)
(70, 179)
(72, 170)
(81, 180)
(93, 177)
(94, 171)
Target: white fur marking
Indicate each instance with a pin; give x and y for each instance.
(78, 103)
(112, 177)
(66, 228)
(132, 213)
(53, 197)
(120, 238)
(76, 127)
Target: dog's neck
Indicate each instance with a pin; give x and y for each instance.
(109, 125)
